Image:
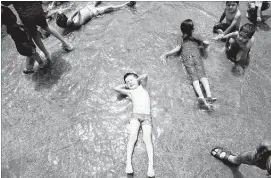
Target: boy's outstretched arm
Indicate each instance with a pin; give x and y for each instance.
(169, 53)
(122, 90)
(143, 79)
(233, 23)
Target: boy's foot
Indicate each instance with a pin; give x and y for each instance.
(150, 171)
(129, 169)
(28, 71)
(45, 64)
(67, 47)
(203, 104)
(131, 3)
(211, 100)
(223, 156)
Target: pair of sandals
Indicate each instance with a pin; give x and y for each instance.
(206, 104)
(217, 151)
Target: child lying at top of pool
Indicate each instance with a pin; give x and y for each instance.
(192, 49)
(81, 16)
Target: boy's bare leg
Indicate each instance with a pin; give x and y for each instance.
(134, 128)
(40, 44)
(201, 99)
(147, 138)
(29, 63)
(112, 8)
(206, 86)
(37, 58)
(56, 34)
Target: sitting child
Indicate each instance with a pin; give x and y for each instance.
(233, 19)
(192, 49)
(22, 39)
(81, 16)
(255, 8)
(260, 157)
(135, 89)
(239, 43)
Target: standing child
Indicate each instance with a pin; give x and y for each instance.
(239, 43)
(233, 19)
(255, 8)
(135, 89)
(23, 41)
(192, 49)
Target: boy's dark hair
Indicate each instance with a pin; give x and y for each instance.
(248, 29)
(237, 2)
(128, 74)
(187, 27)
(61, 20)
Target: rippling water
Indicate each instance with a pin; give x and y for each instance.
(69, 123)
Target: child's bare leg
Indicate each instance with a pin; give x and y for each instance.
(206, 86)
(111, 8)
(29, 63)
(197, 88)
(37, 58)
(41, 46)
(147, 138)
(134, 127)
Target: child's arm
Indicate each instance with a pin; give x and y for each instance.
(259, 5)
(70, 19)
(219, 37)
(236, 19)
(143, 79)
(122, 90)
(222, 17)
(169, 53)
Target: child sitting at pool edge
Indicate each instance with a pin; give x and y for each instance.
(135, 89)
(233, 19)
(192, 50)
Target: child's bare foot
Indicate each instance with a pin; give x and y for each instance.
(131, 3)
(150, 171)
(129, 169)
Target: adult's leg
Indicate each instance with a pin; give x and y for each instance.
(134, 128)
(147, 138)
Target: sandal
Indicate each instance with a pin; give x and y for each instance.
(211, 100)
(28, 71)
(216, 152)
(203, 104)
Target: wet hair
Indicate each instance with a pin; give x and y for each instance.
(248, 29)
(237, 2)
(187, 27)
(61, 20)
(128, 74)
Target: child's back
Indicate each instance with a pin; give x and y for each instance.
(190, 46)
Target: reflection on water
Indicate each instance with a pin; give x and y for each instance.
(68, 122)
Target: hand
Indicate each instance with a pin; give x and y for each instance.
(259, 19)
(163, 59)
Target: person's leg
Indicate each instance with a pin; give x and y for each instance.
(37, 58)
(206, 86)
(41, 46)
(147, 138)
(134, 128)
(197, 88)
(243, 158)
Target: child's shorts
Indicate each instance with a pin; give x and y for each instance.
(254, 158)
(37, 18)
(194, 67)
(223, 27)
(26, 48)
(144, 119)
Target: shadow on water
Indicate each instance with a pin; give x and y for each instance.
(50, 76)
(236, 173)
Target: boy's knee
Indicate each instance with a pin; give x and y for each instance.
(133, 138)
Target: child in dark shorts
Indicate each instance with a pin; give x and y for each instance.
(23, 41)
(192, 50)
(260, 157)
(239, 43)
